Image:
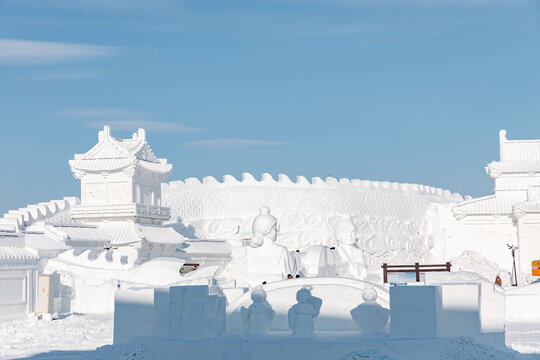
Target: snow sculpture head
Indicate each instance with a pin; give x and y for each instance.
(369, 294)
(264, 227)
(345, 232)
(258, 295)
(303, 295)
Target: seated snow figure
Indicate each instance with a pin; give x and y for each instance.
(257, 318)
(302, 314)
(265, 260)
(352, 257)
(369, 316)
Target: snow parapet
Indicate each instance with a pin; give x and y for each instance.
(17, 220)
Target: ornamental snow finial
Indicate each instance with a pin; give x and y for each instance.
(502, 136)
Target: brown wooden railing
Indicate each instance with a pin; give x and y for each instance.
(417, 268)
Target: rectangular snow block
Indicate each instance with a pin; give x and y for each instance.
(175, 309)
(133, 314)
(413, 311)
(187, 310)
(161, 311)
(459, 312)
(197, 320)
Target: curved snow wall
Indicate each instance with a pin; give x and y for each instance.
(391, 217)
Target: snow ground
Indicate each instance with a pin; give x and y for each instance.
(72, 332)
(88, 337)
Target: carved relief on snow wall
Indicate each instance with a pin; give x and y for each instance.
(393, 220)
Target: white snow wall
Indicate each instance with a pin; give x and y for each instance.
(392, 218)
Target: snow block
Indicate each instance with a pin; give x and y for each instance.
(460, 310)
(435, 311)
(133, 314)
(522, 303)
(413, 311)
(182, 311)
(194, 313)
(161, 311)
(492, 297)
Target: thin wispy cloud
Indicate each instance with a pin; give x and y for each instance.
(232, 144)
(122, 119)
(103, 5)
(64, 75)
(95, 113)
(404, 3)
(13, 51)
(159, 126)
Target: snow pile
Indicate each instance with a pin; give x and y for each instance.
(131, 351)
(523, 337)
(472, 261)
(466, 348)
(156, 272)
(30, 336)
(367, 355)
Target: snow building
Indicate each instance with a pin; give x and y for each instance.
(18, 275)
(48, 229)
(121, 195)
(511, 215)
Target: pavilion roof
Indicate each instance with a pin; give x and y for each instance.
(113, 154)
(488, 205)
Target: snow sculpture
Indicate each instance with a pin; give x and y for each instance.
(510, 214)
(369, 316)
(121, 195)
(301, 315)
(352, 257)
(267, 261)
(257, 318)
(394, 213)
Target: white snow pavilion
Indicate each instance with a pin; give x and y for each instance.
(121, 194)
(512, 214)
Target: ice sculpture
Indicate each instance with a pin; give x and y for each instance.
(369, 316)
(352, 257)
(301, 315)
(267, 261)
(257, 318)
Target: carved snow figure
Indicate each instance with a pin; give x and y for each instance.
(369, 316)
(267, 261)
(352, 257)
(301, 315)
(257, 318)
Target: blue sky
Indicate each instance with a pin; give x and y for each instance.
(397, 90)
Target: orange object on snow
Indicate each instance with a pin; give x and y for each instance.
(536, 268)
